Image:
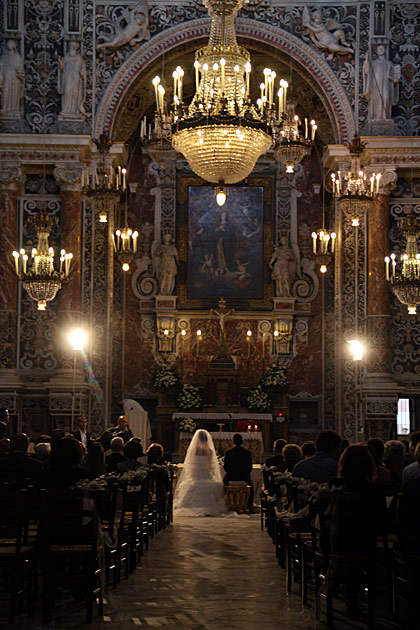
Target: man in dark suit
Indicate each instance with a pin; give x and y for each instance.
(81, 433)
(238, 467)
(18, 465)
(4, 423)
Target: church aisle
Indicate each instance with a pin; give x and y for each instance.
(204, 574)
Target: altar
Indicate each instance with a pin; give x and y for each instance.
(257, 441)
(223, 440)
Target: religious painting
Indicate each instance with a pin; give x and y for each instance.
(225, 256)
(224, 250)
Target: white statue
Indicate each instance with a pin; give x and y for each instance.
(166, 265)
(327, 35)
(72, 82)
(12, 80)
(283, 268)
(132, 27)
(380, 85)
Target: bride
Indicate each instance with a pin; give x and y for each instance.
(200, 490)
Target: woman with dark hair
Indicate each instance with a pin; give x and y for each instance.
(132, 451)
(95, 460)
(358, 515)
(63, 468)
(292, 454)
(155, 454)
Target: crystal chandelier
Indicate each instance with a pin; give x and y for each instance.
(404, 275)
(323, 242)
(221, 132)
(39, 274)
(105, 185)
(353, 190)
(294, 138)
(124, 238)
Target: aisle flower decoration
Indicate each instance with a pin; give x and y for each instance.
(166, 376)
(190, 397)
(258, 399)
(187, 425)
(276, 376)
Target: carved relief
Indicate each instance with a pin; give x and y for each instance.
(122, 26)
(325, 34)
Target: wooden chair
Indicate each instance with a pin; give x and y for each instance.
(69, 547)
(237, 496)
(17, 551)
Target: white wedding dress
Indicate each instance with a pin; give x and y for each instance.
(200, 490)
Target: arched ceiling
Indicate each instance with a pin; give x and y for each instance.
(139, 100)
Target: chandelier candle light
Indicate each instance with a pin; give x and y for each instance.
(353, 190)
(39, 273)
(404, 275)
(221, 132)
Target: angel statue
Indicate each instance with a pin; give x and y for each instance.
(327, 35)
(131, 27)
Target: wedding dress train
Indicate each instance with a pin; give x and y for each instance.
(200, 490)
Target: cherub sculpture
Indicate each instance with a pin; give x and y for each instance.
(131, 27)
(327, 35)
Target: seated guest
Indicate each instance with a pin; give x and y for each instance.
(321, 467)
(155, 454)
(117, 454)
(412, 470)
(122, 429)
(42, 451)
(56, 435)
(292, 454)
(412, 486)
(81, 433)
(45, 439)
(132, 450)
(308, 449)
(4, 423)
(277, 459)
(359, 515)
(18, 466)
(238, 467)
(4, 447)
(376, 449)
(63, 468)
(394, 461)
(95, 460)
(105, 440)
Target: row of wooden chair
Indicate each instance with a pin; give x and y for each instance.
(85, 539)
(306, 549)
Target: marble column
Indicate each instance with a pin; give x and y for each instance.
(10, 181)
(68, 390)
(379, 390)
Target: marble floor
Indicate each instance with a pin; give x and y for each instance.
(203, 574)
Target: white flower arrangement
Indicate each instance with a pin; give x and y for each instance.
(165, 376)
(276, 376)
(190, 397)
(134, 477)
(258, 399)
(187, 425)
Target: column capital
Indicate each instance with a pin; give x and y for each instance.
(389, 177)
(68, 176)
(11, 176)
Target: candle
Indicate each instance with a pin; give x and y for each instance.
(280, 95)
(306, 128)
(387, 267)
(314, 237)
(196, 66)
(314, 128)
(223, 63)
(285, 85)
(333, 237)
(236, 70)
(156, 82)
(378, 177)
(135, 236)
(247, 73)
